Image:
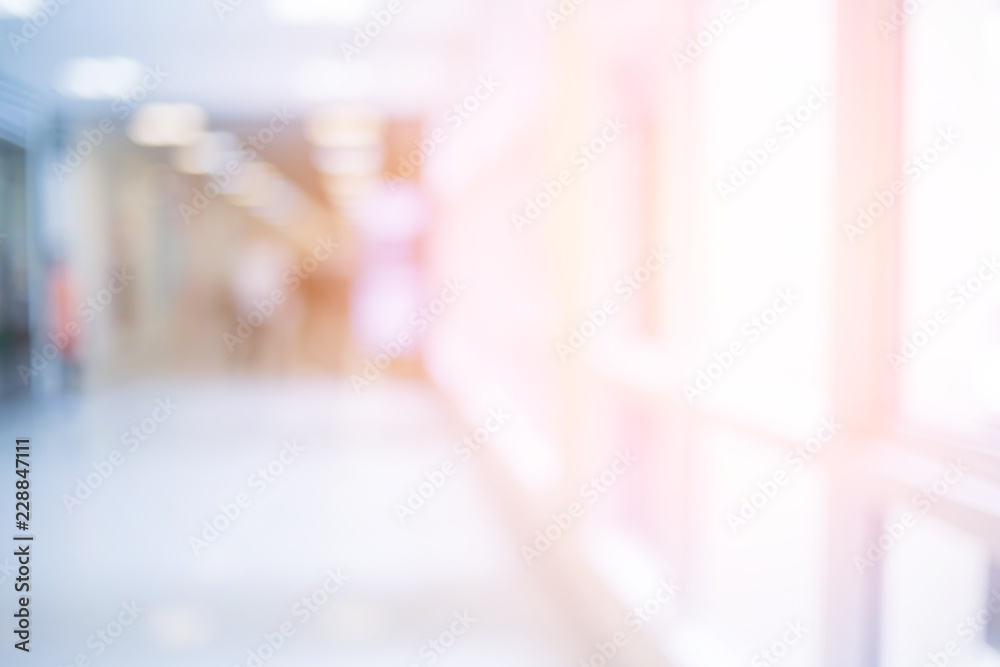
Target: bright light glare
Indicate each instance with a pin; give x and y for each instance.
(99, 78)
(344, 127)
(205, 155)
(19, 8)
(342, 12)
(167, 124)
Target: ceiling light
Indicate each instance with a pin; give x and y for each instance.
(20, 8)
(99, 78)
(337, 12)
(206, 154)
(344, 127)
(252, 186)
(367, 160)
(167, 124)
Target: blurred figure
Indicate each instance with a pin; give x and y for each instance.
(391, 280)
(276, 328)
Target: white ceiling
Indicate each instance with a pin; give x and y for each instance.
(247, 62)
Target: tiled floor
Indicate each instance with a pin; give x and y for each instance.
(329, 508)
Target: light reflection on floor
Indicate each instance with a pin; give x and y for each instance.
(330, 507)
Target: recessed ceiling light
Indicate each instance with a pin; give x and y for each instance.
(339, 12)
(19, 8)
(344, 127)
(167, 124)
(349, 161)
(204, 155)
(99, 78)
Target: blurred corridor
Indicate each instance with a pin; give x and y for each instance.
(547, 332)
